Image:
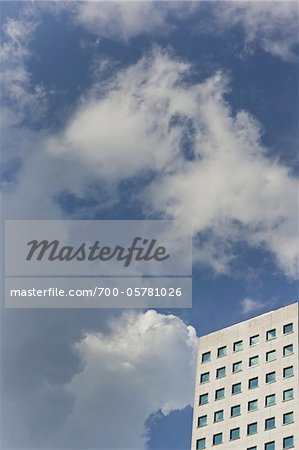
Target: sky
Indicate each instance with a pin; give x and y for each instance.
(145, 110)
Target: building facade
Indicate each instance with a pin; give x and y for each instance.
(246, 394)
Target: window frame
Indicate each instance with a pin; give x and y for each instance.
(253, 380)
(253, 424)
(271, 352)
(206, 381)
(290, 413)
(267, 421)
(236, 363)
(287, 399)
(206, 395)
(221, 348)
(252, 358)
(214, 438)
(215, 415)
(231, 411)
(255, 401)
(208, 354)
(221, 376)
(204, 443)
(284, 369)
(268, 374)
(284, 440)
(217, 391)
(202, 417)
(268, 397)
(271, 331)
(239, 384)
(266, 446)
(286, 347)
(240, 342)
(252, 342)
(291, 324)
(231, 438)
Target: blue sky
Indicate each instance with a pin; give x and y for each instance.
(146, 110)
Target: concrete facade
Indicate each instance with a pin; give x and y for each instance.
(259, 358)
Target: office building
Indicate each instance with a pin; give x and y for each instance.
(246, 393)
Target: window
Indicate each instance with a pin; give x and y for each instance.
(252, 428)
(236, 388)
(202, 421)
(271, 334)
(288, 350)
(217, 439)
(271, 356)
(237, 346)
(221, 351)
(270, 377)
(206, 357)
(270, 400)
(200, 443)
(220, 372)
(234, 434)
(218, 416)
(288, 328)
(219, 394)
(235, 410)
(205, 377)
(252, 405)
(253, 361)
(203, 399)
(237, 367)
(270, 445)
(288, 395)
(288, 372)
(288, 442)
(288, 418)
(253, 383)
(253, 340)
(270, 423)
(252, 448)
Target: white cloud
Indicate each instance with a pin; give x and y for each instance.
(125, 20)
(248, 305)
(228, 191)
(270, 25)
(20, 97)
(143, 364)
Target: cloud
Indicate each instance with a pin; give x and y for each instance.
(273, 28)
(132, 371)
(37, 364)
(209, 168)
(20, 97)
(249, 306)
(126, 20)
(226, 190)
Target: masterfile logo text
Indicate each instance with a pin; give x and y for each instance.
(143, 262)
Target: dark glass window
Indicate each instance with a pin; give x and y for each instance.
(270, 423)
(288, 328)
(234, 434)
(205, 377)
(222, 351)
(270, 377)
(253, 383)
(252, 428)
(206, 357)
(236, 388)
